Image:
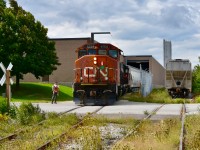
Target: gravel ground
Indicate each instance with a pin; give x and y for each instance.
(109, 135)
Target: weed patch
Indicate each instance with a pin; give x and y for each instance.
(156, 96)
(192, 138)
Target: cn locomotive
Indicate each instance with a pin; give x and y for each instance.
(100, 74)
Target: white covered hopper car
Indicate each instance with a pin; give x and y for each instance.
(178, 78)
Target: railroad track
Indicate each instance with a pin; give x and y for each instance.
(181, 143)
(182, 131)
(64, 134)
(134, 130)
(12, 136)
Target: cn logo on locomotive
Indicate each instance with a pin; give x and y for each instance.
(94, 72)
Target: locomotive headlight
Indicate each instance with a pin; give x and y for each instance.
(95, 60)
(106, 78)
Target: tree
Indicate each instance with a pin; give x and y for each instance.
(2, 3)
(196, 78)
(25, 43)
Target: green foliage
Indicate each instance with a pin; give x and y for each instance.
(93, 141)
(24, 42)
(2, 4)
(156, 96)
(196, 79)
(159, 95)
(197, 99)
(52, 115)
(3, 107)
(27, 114)
(3, 117)
(162, 134)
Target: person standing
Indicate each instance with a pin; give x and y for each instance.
(55, 90)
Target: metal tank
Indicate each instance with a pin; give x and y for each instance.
(140, 80)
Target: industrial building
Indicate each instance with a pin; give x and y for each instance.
(66, 47)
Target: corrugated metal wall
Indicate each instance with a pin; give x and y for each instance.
(141, 80)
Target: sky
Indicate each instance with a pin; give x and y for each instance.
(137, 27)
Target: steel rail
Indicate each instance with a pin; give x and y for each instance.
(134, 130)
(64, 134)
(181, 143)
(17, 132)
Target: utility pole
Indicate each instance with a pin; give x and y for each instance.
(92, 35)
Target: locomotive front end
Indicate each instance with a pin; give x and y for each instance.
(96, 75)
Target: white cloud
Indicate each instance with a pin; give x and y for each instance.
(137, 26)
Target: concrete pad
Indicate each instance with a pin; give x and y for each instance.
(192, 109)
(136, 111)
(168, 111)
(60, 107)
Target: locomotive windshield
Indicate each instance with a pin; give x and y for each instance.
(92, 52)
(102, 52)
(113, 53)
(82, 53)
(98, 51)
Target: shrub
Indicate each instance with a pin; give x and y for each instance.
(5, 110)
(3, 107)
(13, 111)
(27, 114)
(3, 117)
(197, 99)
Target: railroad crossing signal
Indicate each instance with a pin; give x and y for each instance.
(6, 77)
(3, 79)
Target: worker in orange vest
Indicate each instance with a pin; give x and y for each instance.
(55, 90)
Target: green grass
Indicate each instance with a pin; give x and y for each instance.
(156, 96)
(162, 135)
(192, 138)
(37, 92)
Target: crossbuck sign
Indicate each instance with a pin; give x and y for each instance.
(3, 79)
